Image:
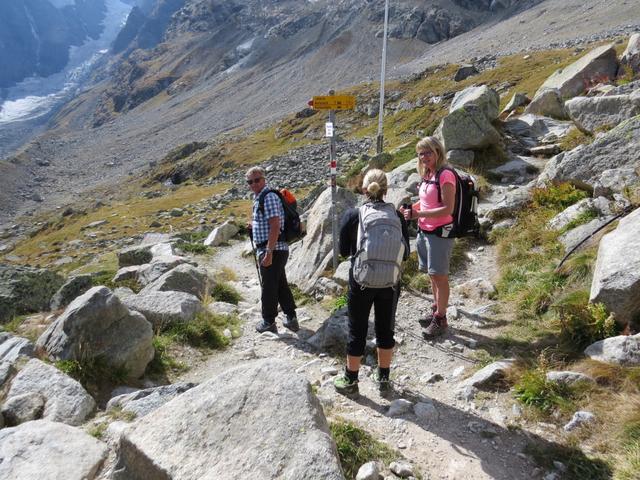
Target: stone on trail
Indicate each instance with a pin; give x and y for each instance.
(568, 378)
(368, 471)
(489, 375)
(144, 401)
(49, 450)
(221, 234)
(616, 275)
(579, 419)
(259, 420)
(399, 407)
(401, 469)
(65, 399)
(98, 324)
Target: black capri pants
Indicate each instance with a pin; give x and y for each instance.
(360, 300)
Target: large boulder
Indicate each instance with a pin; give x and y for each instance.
(547, 103)
(162, 308)
(600, 64)
(136, 255)
(616, 276)
(615, 180)
(534, 130)
(591, 113)
(49, 450)
(399, 175)
(98, 324)
(248, 419)
(150, 272)
(72, 288)
(26, 290)
(13, 347)
(584, 165)
(64, 398)
(310, 256)
(184, 278)
(599, 206)
(517, 100)
(142, 402)
(631, 56)
(222, 234)
(469, 123)
(621, 350)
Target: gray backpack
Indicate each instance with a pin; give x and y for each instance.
(380, 246)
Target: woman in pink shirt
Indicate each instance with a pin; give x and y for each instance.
(433, 211)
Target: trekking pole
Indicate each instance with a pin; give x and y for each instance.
(255, 258)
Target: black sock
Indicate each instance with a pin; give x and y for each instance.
(384, 372)
(352, 376)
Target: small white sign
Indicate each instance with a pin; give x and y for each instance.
(328, 129)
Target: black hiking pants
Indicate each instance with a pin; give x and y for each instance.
(275, 289)
(360, 300)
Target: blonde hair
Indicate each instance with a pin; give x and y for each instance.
(374, 184)
(253, 170)
(435, 145)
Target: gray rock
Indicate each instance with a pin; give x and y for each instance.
(184, 278)
(163, 308)
(631, 55)
(310, 256)
(137, 255)
(466, 393)
(589, 114)
(97, 324)
(467, 129)
(579, 419)
(399, 175)
(13, 347)
(461, 158)
(7, 371)
(368, 471)
(600, 63)
(142, 402)
(425, 410)
(616, 277)
(508, 204)
(487, 376)
(483, 97)
(399, 407)
(126, 273)
(44, 449)
(476, 288)
(547, 103)
(464, 72)
(401, 469)
(65, 399)
(25, 290)
(222, 308)
(255, 412)
(221, 234)
(341, 274)
(568, 378)
(398, 196)
(23, 408)
(599, 205)
(584, 165)
(517, 100)
(150, 272)
(534, 130)
(72, 288)
(621, 350)
(576, 235)
(615, 180)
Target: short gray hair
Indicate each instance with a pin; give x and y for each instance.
(254, 170)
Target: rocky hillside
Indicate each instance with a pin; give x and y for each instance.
(35, 35)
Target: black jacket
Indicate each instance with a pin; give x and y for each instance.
(349, 233)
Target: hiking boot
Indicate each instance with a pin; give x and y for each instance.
(383, 383)
(437, 327)
(345, 386)
(264, 326)
(426, 321)
(291, 323)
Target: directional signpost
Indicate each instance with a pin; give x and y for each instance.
(332, 103)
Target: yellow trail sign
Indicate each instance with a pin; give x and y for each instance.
(333, 102)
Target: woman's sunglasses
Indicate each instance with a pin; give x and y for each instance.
(251, 181)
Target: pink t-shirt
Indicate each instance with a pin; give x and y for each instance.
(429, 199)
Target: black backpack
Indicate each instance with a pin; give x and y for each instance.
(292, 225)
(465, 210)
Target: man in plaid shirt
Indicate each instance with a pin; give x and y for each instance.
(273, 253)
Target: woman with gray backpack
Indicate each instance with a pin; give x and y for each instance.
(376, 237)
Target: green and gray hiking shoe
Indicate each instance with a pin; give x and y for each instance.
(345, 386)
(383, 383)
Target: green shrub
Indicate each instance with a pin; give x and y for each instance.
(629, 465)
(581, 219)
(534, 390)
(583, 323)
(300, 297)
(579, 466)
(163, 362)
(93, 372)
(574, 138)
(339, 303)
(106, 278)
(356, 447)
(223, 292)
(196, 248)
(557, 197)
(205, 331)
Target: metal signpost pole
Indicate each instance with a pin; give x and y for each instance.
(334, 171)
(380, 138)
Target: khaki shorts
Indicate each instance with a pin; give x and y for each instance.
(434, 253)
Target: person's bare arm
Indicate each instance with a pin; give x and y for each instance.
(448, 201)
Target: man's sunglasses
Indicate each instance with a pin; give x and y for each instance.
(251, 181)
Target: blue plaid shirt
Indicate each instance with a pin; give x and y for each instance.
(260, 225)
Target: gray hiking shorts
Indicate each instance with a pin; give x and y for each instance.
(434, 253)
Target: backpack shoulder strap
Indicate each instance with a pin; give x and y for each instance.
(437, 179)
(262, 196)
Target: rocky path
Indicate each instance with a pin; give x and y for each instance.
(426, 418)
